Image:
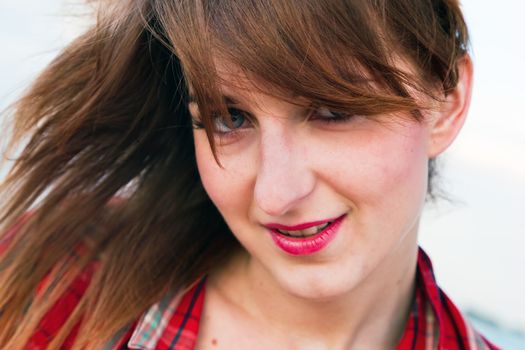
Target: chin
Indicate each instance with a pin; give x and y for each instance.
(318, 286)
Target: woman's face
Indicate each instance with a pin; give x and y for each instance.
(281, 169)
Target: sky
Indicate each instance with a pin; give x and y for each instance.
(477, 239)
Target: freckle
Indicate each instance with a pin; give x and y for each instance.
(214, 342)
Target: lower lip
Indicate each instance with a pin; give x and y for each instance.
(307, 245)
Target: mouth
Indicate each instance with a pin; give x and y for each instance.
(307, 240)
(306, 232)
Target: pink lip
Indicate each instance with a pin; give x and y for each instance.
(309, 245)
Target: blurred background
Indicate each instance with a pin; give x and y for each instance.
(476, 239)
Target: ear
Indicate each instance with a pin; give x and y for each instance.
(448, 120)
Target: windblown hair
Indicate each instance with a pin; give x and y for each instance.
(106, 167)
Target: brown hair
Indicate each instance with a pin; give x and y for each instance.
(109, 118)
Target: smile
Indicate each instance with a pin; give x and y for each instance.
(307, 240)
(307, 232)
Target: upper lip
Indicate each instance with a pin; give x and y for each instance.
(298, 227)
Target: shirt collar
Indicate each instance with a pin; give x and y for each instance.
(173, 321)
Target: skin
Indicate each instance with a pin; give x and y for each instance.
(356, 292)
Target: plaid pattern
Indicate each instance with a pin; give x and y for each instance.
(173, 322)
(50, 325)
(434, 321)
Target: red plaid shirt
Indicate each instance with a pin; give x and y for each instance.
(173, 322)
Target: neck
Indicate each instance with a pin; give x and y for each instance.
(372, 315)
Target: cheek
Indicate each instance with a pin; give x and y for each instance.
(402, 173)
(399, 167)
(221, 183)
(209, 170)
(378, 165)
(403, 162)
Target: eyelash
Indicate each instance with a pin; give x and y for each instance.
(199, 125)
(339, 118)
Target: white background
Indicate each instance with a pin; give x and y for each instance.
(477, 242)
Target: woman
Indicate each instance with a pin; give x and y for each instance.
(236, 174)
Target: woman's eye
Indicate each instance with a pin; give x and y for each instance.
(327, 116)
(233, 121)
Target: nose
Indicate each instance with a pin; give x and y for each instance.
(283, 177)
